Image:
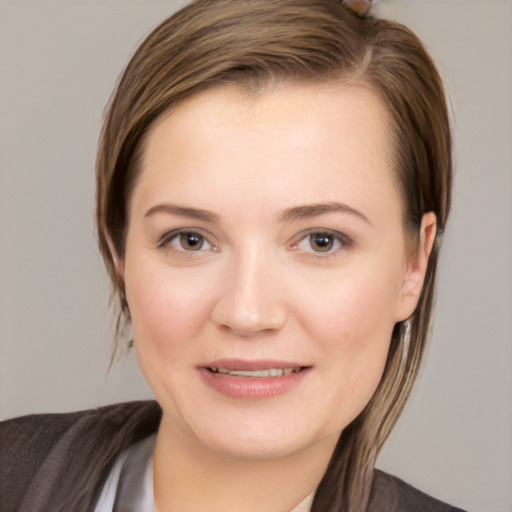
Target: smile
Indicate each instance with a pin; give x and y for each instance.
(258, 374)
(249, 380)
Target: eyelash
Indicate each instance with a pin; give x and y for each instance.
(166, 241)
(338, 242)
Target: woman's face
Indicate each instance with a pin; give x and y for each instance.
(266, 265)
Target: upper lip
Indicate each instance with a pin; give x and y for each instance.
(248, 365)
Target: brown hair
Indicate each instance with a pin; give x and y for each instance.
(260, 42)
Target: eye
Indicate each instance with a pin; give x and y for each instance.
(188, 241)
(322, 242)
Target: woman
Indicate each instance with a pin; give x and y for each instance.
(273, 180)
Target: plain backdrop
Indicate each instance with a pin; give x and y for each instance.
(59, 61)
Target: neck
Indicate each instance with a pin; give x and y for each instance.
(187, 477)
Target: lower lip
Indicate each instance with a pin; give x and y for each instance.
(248, 388)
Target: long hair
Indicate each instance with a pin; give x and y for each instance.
(253, 44)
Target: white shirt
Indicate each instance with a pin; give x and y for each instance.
(129, 486)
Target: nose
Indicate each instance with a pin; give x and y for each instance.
(250, 300)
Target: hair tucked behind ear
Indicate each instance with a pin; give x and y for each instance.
(254, 44)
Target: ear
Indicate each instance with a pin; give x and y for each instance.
(416, 268)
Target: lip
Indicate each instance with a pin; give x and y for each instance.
(245, 387)
(250, 365)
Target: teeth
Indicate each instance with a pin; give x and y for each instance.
(271, 372)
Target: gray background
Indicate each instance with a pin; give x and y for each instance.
(59, 61)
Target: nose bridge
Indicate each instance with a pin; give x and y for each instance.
(250, 300)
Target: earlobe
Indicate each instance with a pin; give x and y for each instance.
(412, 284)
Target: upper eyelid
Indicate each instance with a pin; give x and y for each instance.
(169, 235)
(345, 239)
(337, 234)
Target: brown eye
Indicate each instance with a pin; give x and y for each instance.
(190, 241)
(184, 241)
(321, 242)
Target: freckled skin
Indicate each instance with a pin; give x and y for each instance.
(258, 288)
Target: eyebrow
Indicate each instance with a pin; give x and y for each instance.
(290, 214)
(314, 210)
(183, 211)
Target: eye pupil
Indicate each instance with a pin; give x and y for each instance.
(191, 241)
(321, 242)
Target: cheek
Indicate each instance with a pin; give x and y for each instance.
(166, 308)
(353, 323)
(356, 309)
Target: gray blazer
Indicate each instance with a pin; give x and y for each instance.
(59, 462)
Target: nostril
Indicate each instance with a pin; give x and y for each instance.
(245, 329)
(248, 302)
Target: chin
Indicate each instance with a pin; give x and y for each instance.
(256, 446)
(262, 435)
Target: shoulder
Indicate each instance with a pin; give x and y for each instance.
(31, 437)
(25, 443)
(391, 493)
(39, 450)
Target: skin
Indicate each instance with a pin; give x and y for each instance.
(255, 284)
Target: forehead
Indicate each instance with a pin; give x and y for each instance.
(295, 141)
(273, 102)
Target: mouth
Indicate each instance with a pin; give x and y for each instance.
(258, 374)
(256, 379)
